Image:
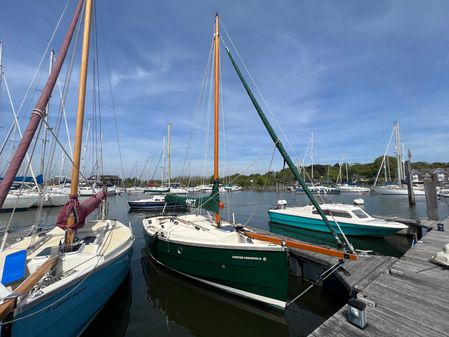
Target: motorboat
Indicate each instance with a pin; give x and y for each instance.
(352, 220)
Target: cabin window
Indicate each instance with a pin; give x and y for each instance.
(360, 214)
(341, 214)
(331, 213)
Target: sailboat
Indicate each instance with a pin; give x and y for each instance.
(216, 252)
(55, 282)
(397, 188)
(157, 202)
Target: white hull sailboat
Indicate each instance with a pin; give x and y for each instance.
(54, 283)
(18, 201)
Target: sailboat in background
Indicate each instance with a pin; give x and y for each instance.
(219, 253)
(157, 202)
(54, 283)
(397, 188)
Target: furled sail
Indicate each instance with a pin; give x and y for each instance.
(80, 210)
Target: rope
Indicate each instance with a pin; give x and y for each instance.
(322, 277)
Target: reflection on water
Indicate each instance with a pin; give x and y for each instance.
(203, 309)
(113, 319)
(206, 311)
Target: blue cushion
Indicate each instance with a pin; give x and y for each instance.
(14, 267)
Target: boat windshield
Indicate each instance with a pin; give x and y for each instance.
(334, 213)
(360, 214)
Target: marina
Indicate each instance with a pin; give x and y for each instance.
(157, 295)
(220, 169)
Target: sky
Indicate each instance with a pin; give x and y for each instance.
(344, 70)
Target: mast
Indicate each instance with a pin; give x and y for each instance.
(398, 152)
(286, 157)
(163, 161)
(216, 105)
(311, 152)
(168, 153)
(347, 175)
(44, 140)
(79, 119)
(38, 111)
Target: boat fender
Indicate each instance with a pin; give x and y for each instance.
(282, 204)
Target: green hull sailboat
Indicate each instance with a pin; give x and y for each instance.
(227, 255)
(214, 251)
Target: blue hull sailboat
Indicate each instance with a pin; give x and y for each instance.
(53, 283)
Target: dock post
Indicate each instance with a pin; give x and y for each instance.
(409, 177)
(431, 198)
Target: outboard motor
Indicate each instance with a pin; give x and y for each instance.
(282, 204)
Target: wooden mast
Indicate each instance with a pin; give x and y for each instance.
(79, 119)
(216, 106)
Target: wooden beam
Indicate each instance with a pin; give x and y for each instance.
(9, 304)
(303, 245)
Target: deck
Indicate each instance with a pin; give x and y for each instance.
(411, 298)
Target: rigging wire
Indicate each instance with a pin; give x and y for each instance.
(37, 70)
(257, 88)
(114, 110)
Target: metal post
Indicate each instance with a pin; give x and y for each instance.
(409, 177)
(431, 198)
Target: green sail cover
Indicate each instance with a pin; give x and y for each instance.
(210, 202)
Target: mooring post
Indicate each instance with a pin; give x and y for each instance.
(431, 198)
(409, 177)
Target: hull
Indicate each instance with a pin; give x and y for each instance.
(50, 199)
(20, 203)
(259, 275)
(157, 190)
(383, 190)
(318, 225)
(154, 206)
(69, 311)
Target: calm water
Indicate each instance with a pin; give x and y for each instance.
(155, 302)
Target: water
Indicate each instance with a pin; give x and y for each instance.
(155, 302)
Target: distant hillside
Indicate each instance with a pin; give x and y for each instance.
(362, 173)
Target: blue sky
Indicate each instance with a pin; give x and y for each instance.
(344, 69)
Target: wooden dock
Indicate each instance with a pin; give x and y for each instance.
(410, 299)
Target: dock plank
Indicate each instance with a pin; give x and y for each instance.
(411, 297)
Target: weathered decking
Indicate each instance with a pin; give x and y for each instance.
(410, 299)
(354, 275)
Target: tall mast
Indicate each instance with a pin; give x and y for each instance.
(311, 152)
(44, 140)
(38, 111)
(398, 152)
(79, 119)
(163, 161)
(169, 152)
(347, 174)
(216, 105)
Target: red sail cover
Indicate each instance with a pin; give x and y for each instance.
(81, 210)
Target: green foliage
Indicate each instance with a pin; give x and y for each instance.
(362, 173)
